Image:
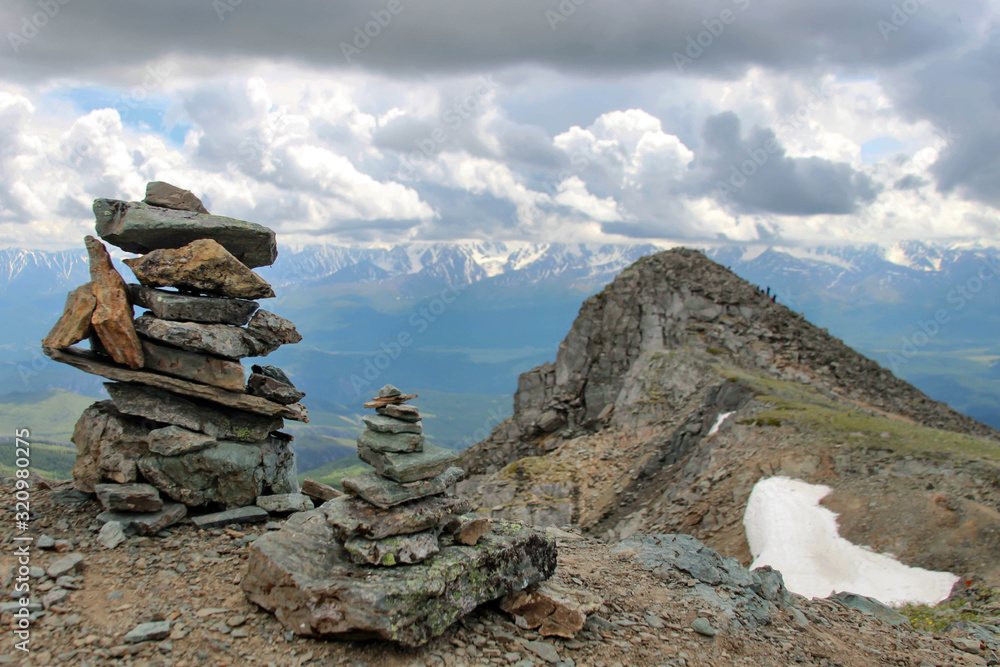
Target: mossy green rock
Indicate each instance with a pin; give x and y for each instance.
(302, 574)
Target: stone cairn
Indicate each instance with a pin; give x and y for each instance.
(183, 421)
(398, 557)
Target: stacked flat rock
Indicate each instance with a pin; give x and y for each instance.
(398, 556)
(183, 420)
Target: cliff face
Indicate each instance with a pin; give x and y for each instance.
(630, 429)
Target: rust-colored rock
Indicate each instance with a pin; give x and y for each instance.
(74, 324)
(468, 529)
(556, 610)
(112, 317)
(200, 266)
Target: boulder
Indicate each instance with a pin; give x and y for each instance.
(385, 493)
(92, 363)
(192, 308)
(200, 266)
(352, 517)
(302, 574)
(166, 195)
(108, 444)
(141, 228)
(146, 523)
(217, 372)
(233, 474)
(267, 387)
(395, 550)
(391, 442)
(129, 497)
(430, 462)
(285, 503)
(112, 316)
(167, 407)
(174, 440)
(220, 340)
(74, 324)
(385, 424)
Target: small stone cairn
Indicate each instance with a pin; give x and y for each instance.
(183, 421)
(398, 556)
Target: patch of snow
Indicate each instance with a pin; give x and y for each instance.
(718, 422)
(787, 529)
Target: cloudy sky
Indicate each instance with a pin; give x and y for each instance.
(782, 121)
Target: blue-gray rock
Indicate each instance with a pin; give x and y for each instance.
(430, 462)
(174, 441)
(285, 503)
(870, 606)
(68, 564)
(192, 307)
(703, 627)
(303, 576)
(140, 228)
(385, 424)
(352, 517)
(146, 523)
(384, 493)
(397, 443)
(111, 535)
(145, 632)
(238, 516)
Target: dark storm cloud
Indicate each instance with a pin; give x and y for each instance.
(960, 94)
(717, 37)
(753, 174)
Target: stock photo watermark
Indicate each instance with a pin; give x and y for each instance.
(418, 322)
(32, 24)
(899, 17)
(714, 28)
(958, 298)
(22, 549)
(364, 34)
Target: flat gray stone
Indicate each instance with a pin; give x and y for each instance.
(544, 650)
(395, 550)
(430, 462)
(870, 606)
(388, 391)
(391, 442)
(222, 373)
(174, 441)
(352, 517)
(239, 516)
(303, 576)
(165, 195)
(285, 503)
(384, 493)
(192, 308)
(141, 228)
(146, 523)
(703, 627)
(401, 411)
(167, 407)
(386, 424)
(129, 497)
(111, 535)
(233, 474)
(147, 632)
(220, 340)
(68, 564)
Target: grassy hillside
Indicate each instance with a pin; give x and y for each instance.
(48, 415)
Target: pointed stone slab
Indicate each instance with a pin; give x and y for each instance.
(318, 491)
(395, 550)
(220, 340)
(302, 575)
(384, 424)
(92, 363)
(74, 324)
(407, 413)
(238, 516)
(353, 517)
(381, 402)
(385, 493)
(146, 523)
(167, 407)
(272, 329)
(432, 461)
(391, 442)
(140, 228)
(166, 195)
(173, 441)
(192, 308)
(217, 372)
(273, 390)
(112, 316)
(200, 266)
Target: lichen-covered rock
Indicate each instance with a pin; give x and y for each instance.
(233, 474)
(200, 266)
(349, 516)
(395, 550)
(303, 576)
(383, 492)
(430, 462)
(141, 228)
(386, 424)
